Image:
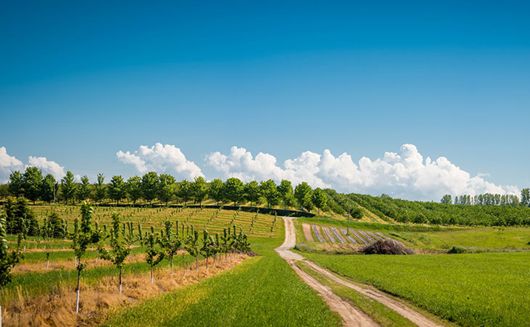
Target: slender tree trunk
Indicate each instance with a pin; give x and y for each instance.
(152, 278)
(77, 289)
(119, 280)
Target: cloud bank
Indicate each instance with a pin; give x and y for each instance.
(47, 166)
(9, 164)
(406, 174)
(162, 158)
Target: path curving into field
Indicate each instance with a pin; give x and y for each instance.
(350, 315)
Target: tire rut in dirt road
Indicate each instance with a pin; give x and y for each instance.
(350, 315)
(333, 300)
(399, 307)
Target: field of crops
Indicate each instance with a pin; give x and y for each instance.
(214, 220)
(487, 289)
(45, 278)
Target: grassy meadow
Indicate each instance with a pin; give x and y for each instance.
(262, 291)
(484, 289)
(427, 238)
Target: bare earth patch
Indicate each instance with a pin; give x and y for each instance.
(307, 232)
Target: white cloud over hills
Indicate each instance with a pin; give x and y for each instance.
(406, 174)
(162, 158)
(9, 164)
(47, 166)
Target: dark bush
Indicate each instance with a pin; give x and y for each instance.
(456, 250)
(386, 247)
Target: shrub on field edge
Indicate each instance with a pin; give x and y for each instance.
(456, 250)
(386, 246)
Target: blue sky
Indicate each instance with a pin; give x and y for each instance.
(80, 81)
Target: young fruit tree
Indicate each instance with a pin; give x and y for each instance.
(8, 259)
(154, 254)
(120, 246)
(192, 246)
(82, 237)
(170, 242)
(227, 242)
(241, 244)
(207, 246)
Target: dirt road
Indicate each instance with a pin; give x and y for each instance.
(350, 315)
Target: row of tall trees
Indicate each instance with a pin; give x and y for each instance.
(490, 199)
(164, 188)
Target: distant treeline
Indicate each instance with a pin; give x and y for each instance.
(483, 209)
(489, 199)
(435, 213)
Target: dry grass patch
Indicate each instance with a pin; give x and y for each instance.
(68, 264)
(103, 298)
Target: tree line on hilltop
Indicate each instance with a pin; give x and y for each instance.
(150, 187)
(482, 209)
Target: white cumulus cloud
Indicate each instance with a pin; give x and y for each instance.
(8, 164)
(406, 174)
(162, 158)
(47, 166)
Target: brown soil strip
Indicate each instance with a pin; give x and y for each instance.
(329, 235)
(98, 301)
(307, 232)
(348, 236)
(337, 235)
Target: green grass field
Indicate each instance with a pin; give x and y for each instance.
(486, 289)
(263, 291)
(468, 289)
(472, 239)
(437, 238)
(380, 313)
